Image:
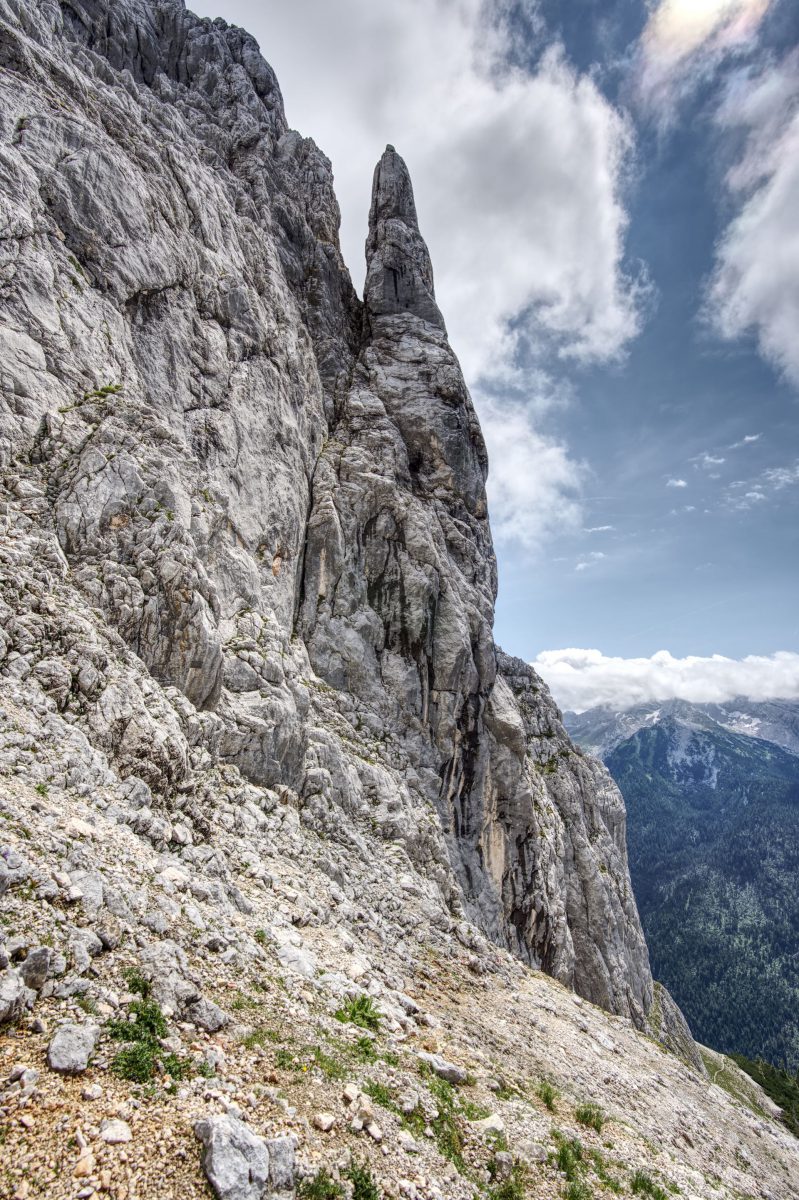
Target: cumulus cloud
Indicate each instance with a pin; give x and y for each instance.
(685, 40)
(520, 178)
(755, 285)
(677, 483)
(533, 487)
(581, 679)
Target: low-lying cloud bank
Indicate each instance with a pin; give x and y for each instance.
(582, 679)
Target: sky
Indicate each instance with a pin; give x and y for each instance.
(610, 193)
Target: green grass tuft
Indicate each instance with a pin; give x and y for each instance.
(590, 1115)
(360, 1011)
(642, 1184)
(321, 1187)
(547, 1093)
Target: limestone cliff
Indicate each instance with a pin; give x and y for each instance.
(260, 486)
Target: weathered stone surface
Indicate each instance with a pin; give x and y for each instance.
(13, 995)
(236, 1161)
(35, 968)
(71, 1048)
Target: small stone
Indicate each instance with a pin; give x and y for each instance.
(71, 1048)
(374, 1131)
(491, 1124)
(115, 1132)
(324, 1121)
(84, 1166)
(35, 968)
(92, 1092)
(80, 829)
(13, 995)
(449, 1071)
(350, 1093)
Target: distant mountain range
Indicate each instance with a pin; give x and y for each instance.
(600, 730)
(712, 794)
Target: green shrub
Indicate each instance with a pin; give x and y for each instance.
(510, 1189)
(321, 1187)
(136, 982)
(149, 1023)
(380, 1094)
(136, 1062)
(445, 1126)
(259, 1037)
(362, 1180)
(360, 1011)
(365, 1050)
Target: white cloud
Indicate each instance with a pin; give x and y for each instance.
(533, 485)
(600, 529)
(683, 43)
(519, 180)
(744, 494)
(746, 440)
(581, 679)
(755, 285)
(677, 483)
(519, 176)
(592, 559)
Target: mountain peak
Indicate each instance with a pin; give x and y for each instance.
(399, 275)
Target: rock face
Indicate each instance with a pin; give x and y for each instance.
(245, 533)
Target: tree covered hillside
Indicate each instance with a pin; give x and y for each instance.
(713, 834)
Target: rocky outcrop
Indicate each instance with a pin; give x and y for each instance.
(246, 549)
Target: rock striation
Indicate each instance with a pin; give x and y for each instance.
(247, 487)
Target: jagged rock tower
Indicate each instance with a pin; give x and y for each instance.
(246, 548)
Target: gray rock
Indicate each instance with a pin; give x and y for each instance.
(71, 1048)
(443, 1068)
(236, 1161)
(13, 996)
(35, 968)
(281, 1163)
(115, 1133)
(206, 1015)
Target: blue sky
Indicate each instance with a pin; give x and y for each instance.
(606, 189)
